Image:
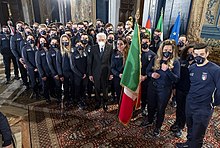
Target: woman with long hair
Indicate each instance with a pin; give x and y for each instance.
(64, 68)
(164, 70)
(117, 64)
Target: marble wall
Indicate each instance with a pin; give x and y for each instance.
(83, 10)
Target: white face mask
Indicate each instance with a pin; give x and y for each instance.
(101, 44)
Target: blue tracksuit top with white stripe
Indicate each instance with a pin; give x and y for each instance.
(204, 85)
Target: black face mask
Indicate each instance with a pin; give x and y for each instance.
(120, 32)
(98, 26)
(110, 30)
(28, 33)
(42, 45)
(190, 57)
(65, 43)
(141, 34)
(30, 41)
(199, 60)
(74, 30)
(144, 46)
(167, 54)
(79, 47)
(53, 35)
(43, 32)
(157, 37)
(180, 44)
(110, 41)
(84, 42)
(20, 29)
(81, 30)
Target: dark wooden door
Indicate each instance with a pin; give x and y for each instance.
(4, 12)
(127, 9)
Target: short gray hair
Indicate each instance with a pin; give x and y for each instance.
(101, 34)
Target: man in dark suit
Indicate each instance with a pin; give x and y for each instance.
(99, 68)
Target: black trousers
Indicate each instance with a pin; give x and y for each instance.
(117, 87)
(144, 90)
(5, 131)
(58, 88)
(89, 88)
(101, 86)
(180, 109)
(23, 72)
(158, 100)
(197, 120)
(80, 86)
(7, 62)
(68, 85)
(34, 78)
(47, 87)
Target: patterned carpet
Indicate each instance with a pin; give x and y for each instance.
(96, 128)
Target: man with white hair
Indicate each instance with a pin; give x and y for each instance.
(99, 69)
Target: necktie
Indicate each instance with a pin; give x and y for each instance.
(102, 51)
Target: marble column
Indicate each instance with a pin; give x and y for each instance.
(45, 9)
(114, 12)
(27, 9)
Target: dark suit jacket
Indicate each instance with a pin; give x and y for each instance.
(99, 67)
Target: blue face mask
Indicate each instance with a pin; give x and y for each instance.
(167, 54)
(43, 32)
(42, 45)
(30, 41)
(54, 45)
(199, 60)
(65, 43)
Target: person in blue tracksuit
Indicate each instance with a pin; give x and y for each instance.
(5, 131)
(79, 65)
(64, 68)
(15, 42)
(203, 96)
(182, 89)
(85, 41)
(7, 54)
(43, 68)
(51, 55)
(118, 59)
(28, 54)
(146, 56)
(164, 70)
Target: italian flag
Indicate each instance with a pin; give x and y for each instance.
(160, 24)
(148, 25)
(131, 79)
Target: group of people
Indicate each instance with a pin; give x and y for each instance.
(82, 56)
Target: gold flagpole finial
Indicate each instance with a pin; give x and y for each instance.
(137, 15)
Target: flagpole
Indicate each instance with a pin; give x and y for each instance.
(137, 16)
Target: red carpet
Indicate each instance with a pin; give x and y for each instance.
(90, 129)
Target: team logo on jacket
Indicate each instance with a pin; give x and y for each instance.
(204, 76)
(149, 57)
